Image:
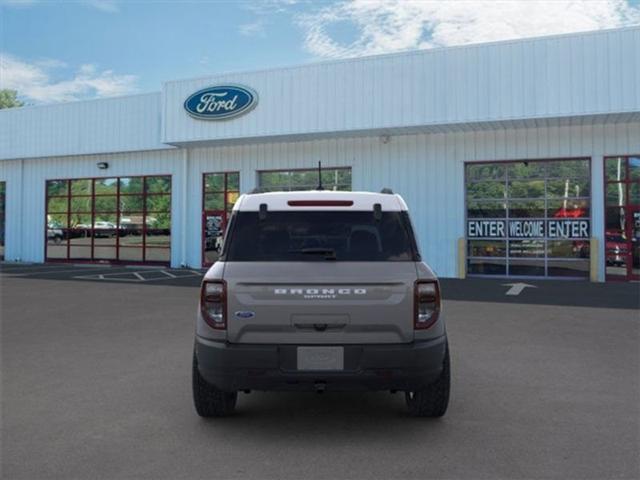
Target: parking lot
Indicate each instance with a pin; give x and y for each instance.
(96, 384)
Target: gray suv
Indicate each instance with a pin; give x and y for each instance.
(318, 291)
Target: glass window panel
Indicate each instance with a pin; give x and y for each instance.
(81, 204)
(568, 248)
(332, 179)
(269, 180)
(56, 236)
(158, 184)
(233, 181)
(526, 209)
(615, 168)
(158, 255)
(106, 204)
(57, 204)
(158, 238)
(526, 248)
(80, 220)
(57, 220)
(80, 237)
(344, 177)
(80, 252)
(104, 252)
(485, 190)
(616, 194)
(214, 182)
(57, 187)
(130, 237)
(616, 252)
(568, 168)
(526, 189)
(486, 248)
(214, 201)
(130, 254)
(81, 187)
(232, 197)
(158, 203)
(106, 186)
(487, 266)
(488, 209)
(615, 219)
(568, 188)
(634, 168)
(159, 221)
(304, 178)
(558, 268)
(133, 221)
(526, 267)
(131, 204)
(526, 169)
(570, 208)
(56, 245)
(102, 237)
(634, 193)
(131, 185)
(106, 220)
(3, 187)
(487, 171)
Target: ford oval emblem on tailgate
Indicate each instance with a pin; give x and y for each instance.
(220, 102)
(245, 314)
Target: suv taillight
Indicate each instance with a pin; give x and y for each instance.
(426, 304)
(213, 303)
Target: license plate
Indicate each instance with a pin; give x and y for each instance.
(320, 358)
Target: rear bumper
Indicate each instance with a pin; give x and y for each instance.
(233, 367)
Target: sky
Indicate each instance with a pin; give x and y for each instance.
(57, 51)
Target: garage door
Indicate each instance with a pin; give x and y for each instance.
(119, 219)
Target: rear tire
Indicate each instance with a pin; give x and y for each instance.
(432, 401)
(208, 400)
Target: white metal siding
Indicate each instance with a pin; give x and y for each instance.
(97, 126)
(11, 173)
(26, 205)
(426, 169)
(561, 76)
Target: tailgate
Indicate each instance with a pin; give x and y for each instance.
(320, 302)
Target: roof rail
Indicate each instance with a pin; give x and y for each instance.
(386, 190)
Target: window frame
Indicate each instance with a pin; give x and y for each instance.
(261, 189)
(628, 206)
(3, 216)
(118, 214)
(225, 209)
(507, 179)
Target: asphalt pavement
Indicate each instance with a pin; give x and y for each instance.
(96, 385)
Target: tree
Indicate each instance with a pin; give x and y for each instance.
(9, 99)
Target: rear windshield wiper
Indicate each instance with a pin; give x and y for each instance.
(329, 253)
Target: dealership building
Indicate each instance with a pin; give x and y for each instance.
(516, 159)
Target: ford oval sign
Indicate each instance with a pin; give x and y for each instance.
(221, 102)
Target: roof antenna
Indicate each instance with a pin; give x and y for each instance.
(320, 187)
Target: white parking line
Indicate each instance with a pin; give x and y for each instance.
(138, 277)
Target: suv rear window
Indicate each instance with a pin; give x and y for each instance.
(294, 236)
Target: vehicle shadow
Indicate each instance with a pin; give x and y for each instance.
(271, 417)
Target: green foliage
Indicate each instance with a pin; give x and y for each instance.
(9, 99)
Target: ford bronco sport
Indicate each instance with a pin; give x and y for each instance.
(318, 291)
